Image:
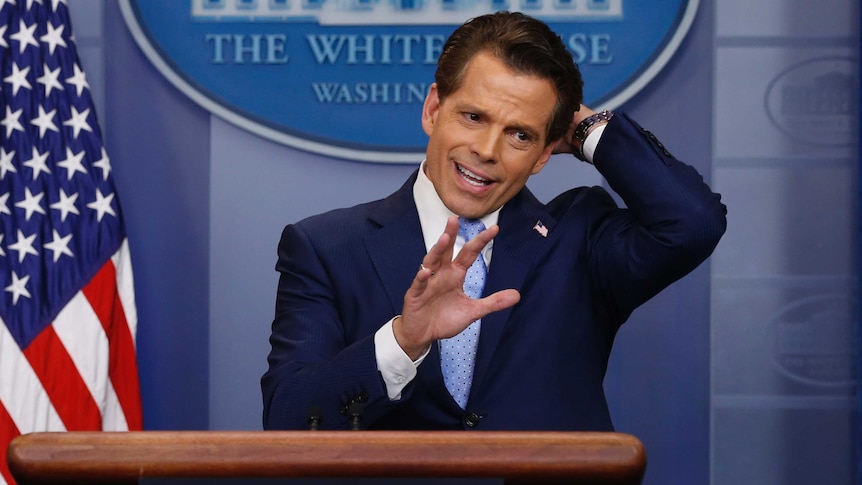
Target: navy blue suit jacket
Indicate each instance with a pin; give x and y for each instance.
(540, 364)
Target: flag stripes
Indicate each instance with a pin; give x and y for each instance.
(8, 430)
(59, 377)
(103, 295)
(60, 381)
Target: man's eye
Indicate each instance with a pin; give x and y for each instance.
(522, 136)
(473, 117)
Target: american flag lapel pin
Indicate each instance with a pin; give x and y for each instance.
(541, 229)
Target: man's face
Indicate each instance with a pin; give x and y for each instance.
(487, 137)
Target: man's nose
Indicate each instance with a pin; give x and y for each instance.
(486, 145)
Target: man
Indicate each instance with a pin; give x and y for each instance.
(515, 330)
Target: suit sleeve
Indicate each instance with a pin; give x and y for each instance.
(672, 222)
(311, 365)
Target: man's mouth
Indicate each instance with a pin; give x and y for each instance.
(472, 178)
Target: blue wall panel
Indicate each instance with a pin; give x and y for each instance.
(158, 141)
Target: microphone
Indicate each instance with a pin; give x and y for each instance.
(354, 410)
(314, 418)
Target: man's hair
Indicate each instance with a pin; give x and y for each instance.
(527, 46)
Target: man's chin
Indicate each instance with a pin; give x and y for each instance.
(470, 211)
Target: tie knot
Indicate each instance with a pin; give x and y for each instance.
(469, 228)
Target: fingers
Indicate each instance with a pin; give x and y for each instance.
(440, 255)
(452, 232)
(495, 302)
(580, 115)
(562, 145)
(441, 252)
(439, 262)
(436, 259)
(479, 308)
(471, 250)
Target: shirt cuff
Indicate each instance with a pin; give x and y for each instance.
(592, 142)
(393, 363)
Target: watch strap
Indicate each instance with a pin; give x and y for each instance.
(583, 129)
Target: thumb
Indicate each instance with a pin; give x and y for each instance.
(499, 301)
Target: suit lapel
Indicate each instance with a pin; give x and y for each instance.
(395, 244)
(515, 248)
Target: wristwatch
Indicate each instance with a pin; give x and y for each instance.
(583, 129)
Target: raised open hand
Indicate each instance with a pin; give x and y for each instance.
(435, 305)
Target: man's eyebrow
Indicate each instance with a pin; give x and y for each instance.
(468, 107)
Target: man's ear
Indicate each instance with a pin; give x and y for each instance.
(543, 159)
(430, 109)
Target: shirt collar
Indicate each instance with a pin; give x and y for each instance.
(433, 213)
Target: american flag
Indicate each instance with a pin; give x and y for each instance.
(67, 307)
(541, 229)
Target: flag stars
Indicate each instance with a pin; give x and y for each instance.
(11, 121)
(103, 163)
(3, 29)
(102, 205)
(18, 288)
(79, 80)
(38, 163)
(50, 79)
(25, 36)
(60, 246)
(55, 4)
(6, 164)
(4, 205)
(31, 203)
(45, 121)
(78, 121)
(24, 246)
(2, 253)
(54, 37)
(66, 205)
(72, 163)
(18, 78)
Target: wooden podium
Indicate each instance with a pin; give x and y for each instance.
(514, 457)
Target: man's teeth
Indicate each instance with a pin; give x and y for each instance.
(472, 178)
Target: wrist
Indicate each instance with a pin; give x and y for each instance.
(583, 130)
(414, 351)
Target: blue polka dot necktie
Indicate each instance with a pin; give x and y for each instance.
(457, 354)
